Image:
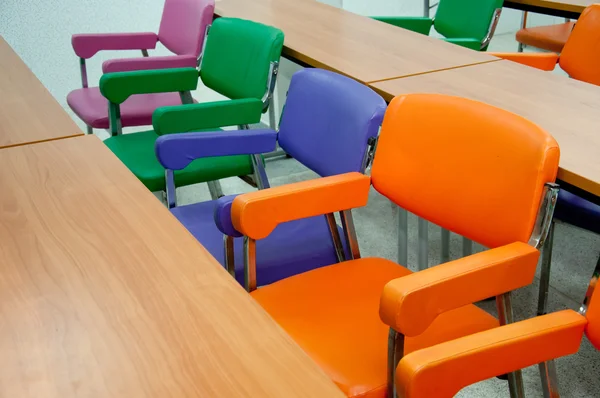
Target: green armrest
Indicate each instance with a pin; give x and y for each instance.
(117, 87)
(205, 116)
(416, 24)
(473, 44)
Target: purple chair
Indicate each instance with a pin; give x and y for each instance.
(182, 30)
(330, 124)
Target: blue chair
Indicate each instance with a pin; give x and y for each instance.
(570, 209)
(330, 124)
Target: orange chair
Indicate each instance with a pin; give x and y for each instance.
(549, 37)
(443, 370)
(580, 57)
(448, 160)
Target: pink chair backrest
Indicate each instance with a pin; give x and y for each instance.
(183, 25)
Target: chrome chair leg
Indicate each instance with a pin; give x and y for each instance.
(215, 190)
(545, 271)
(445, 256)
(505, 316)
(423, 244)
(467, 247)
(402, 237)
(549, 379)
(90, 130)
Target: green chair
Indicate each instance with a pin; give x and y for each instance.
(468, 23)
(240, 61)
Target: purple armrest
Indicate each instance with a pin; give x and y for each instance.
(87, 45)
(176, 151)
(223, 216)
(147, 63)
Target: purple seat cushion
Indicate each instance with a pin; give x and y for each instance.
(577, 211)
(92, 107)
(292, 248)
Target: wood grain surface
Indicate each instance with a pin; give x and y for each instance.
(568, 109)
(103, 293)
(331, 38)
(28, 112)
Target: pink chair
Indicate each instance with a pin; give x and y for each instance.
(182, 30)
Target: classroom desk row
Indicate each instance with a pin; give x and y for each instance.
(104, 293)
(383, 56)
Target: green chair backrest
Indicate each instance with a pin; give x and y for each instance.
(237, 57)
(465, 18)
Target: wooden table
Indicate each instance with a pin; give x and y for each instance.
(323, 36)
(567, 108)
(103, 293)
(28, 112)
(560, 8)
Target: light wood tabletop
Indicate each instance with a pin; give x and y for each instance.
(28, 112)
(331, 38)
(568, 109)
(103, 293)
(553, 7)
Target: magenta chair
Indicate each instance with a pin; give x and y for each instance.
(182, 30)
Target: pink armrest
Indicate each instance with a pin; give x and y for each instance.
(87, 45)
(147, 63)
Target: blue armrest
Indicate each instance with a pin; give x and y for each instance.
(223, 216)
(177, 151)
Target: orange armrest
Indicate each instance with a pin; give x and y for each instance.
(443, 370)
(256, 214)
(411, 303)
(543, 61)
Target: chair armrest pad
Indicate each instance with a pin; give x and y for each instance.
(206, 115)
(444, 369)
(87, 45)
(148, 63)
(256, 214)
(543, 61)
(410, 304)
(223, 216)
(118, 86)
(177, 151)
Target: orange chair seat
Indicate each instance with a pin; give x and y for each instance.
(333, 314)
(550, 38)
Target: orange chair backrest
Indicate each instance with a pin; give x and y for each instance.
(593, 315)
(580, 57)
(469, 167)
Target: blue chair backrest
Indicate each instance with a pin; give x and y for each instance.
(328, 120)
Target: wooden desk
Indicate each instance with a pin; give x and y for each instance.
(568, 109)
(103, 293)
(323, 36)
(560, 8)
(28, 112)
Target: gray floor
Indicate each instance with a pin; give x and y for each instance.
(40, 33)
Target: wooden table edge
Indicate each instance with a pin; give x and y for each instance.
(555, 9)
(80, 134)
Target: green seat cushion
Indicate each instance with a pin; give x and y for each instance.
(136, 151)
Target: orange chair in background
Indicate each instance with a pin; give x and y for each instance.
(438, 371)
(580, 57)
(550, 37)
(477, 170)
